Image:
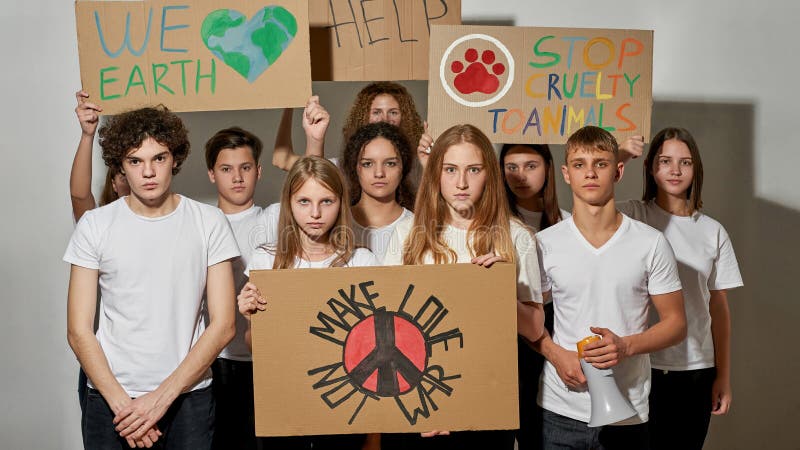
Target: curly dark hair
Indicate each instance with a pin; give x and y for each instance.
(352, 153)
(410, 120)
(127, 131)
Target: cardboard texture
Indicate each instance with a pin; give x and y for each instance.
(375, 40)
(194, 56)
(539, 85)
(327, 350)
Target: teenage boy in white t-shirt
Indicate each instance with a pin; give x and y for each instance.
(232, 158)
(604, 272)
(153, 253)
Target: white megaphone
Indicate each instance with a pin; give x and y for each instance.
(608, 404)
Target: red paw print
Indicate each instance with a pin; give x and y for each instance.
(476, 78)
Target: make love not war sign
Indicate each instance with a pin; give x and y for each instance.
(539, 85)
(385, 349)
(195, 55)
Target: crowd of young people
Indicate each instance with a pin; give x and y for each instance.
(169, 363)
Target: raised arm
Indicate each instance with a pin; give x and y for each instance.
(145, 411)
(283, 156)
(631, 148)
(315, 124)
(80, 177)
(424, 146)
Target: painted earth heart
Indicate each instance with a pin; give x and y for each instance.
(249, 46)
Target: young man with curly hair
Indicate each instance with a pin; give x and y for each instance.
(153, 253)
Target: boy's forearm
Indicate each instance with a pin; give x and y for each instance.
(93, 361)
(198, 360)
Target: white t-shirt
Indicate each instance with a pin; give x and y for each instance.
(251, 228)
(377, 238)
(606, 287)
(706, 262)
(534, 218)
(263, 259)
(528, 284)
(152, 275)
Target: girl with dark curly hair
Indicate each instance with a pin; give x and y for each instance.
(377, 161)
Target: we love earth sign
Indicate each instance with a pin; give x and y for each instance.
(194, 55)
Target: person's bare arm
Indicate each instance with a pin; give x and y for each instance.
(670, 330)
(315, 124)
(80, 176)
(530, 320)
(283, 156)
(631, 148)
(81, 303)
(566, 362)
(145, 411)
(721, 394)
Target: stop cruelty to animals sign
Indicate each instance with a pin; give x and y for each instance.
(385, 349)
(194, 55)
(539, 85)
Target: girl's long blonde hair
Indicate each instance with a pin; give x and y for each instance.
(289, 247)
(489, 231)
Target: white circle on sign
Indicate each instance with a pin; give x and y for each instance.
(499, 95)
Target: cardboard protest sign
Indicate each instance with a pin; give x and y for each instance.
(375, 40)
(539, 85)
(385, 349)
(194, 56)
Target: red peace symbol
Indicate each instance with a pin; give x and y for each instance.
(385, 354)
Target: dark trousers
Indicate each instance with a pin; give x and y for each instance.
(680, 408)
(188, 423)
(561, 433)
(480, 440)
(530, 364)
(83, 388)
(233, 397)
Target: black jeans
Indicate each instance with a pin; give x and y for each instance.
(531, 363)
(560, 432)
(680, 408)
(233, 397)
(480, 440)
(188, 423)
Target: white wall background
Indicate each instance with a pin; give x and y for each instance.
(726, 69)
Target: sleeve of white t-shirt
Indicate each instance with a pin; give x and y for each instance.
(260, 259)
(545, 280)
(221, 243)
(529, 286)
(663, 271)
(82, 249)
(725, 272)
